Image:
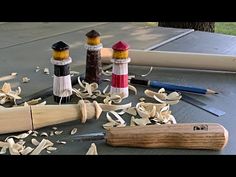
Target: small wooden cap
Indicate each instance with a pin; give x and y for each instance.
(92, 34)
(60, 46)
(120, 46)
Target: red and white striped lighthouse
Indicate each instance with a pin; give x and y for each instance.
(120, 61)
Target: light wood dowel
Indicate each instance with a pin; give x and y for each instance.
(184, 60)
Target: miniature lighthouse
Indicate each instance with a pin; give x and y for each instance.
(62, 88)
(120, 69)
(93, 59)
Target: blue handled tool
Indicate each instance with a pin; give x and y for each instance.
(171, 87)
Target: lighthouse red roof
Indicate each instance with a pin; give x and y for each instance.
(121, 46)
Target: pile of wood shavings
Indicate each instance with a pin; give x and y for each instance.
(149, 113)
(16, 144)
(7, 94)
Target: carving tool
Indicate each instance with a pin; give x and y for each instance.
(211, 136)
(171, 87)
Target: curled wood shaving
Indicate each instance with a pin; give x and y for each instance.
(12, 149)
(58, 132)
(92, 150)
(72, 73)
(8, 77)
(26, 151)
(158, 112)
(162, 97)
(37, 69)
(4, 150)
(25, 79)
(133, 89)
(49, 152)
(46, 71)
(107, 73)
(42, 145)
(44, 134)
(54, 128)
(73, 131)
(60, 142)
(20, 136)
(142, 99)
(7, 94)
(119, 122)
(150, 70)
(21, 142)
(51, 148)
(2, 144)
(106, 107)
(140, 122)
(119, 118)
(34, 142)
(34, 101)
(131, 111)
(51, 133)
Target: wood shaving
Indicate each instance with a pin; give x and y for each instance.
(150, 70)
(44, 134)
(51, 148)
(61, 142)
(51, 133)
(49, 152)
(142, 99)
(42, 145)
(14, 74)
(92, 150)
(141, 122)
(21, 142)
(131, 111)
(26, 151)
(4, 150)
(162, 97)
(34, 142)
(54, 128)
(58, 132)
(37, 69)
(20, 136)
(34, 101)
(46, 71)
(107, 73)
(72, 73)
(119, 122)
(7, 94)
(73, 131)
(25, 79)
(12, 149)
(8, 77)
(106, 107)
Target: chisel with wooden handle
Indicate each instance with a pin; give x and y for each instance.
(211, 136)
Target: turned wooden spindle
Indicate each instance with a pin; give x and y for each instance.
(25, 118)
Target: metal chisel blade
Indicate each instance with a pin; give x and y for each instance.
(203, 106)
(90, 136)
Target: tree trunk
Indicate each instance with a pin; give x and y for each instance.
(200, 26)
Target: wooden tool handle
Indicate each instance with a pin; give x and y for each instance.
(188, 136)
(24, 118)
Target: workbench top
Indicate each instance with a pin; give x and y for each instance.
(27, 45)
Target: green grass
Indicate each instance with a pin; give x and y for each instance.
(226, 28)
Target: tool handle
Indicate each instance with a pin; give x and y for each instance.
(210, 136)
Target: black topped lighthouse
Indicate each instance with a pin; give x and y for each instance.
(62, 88)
